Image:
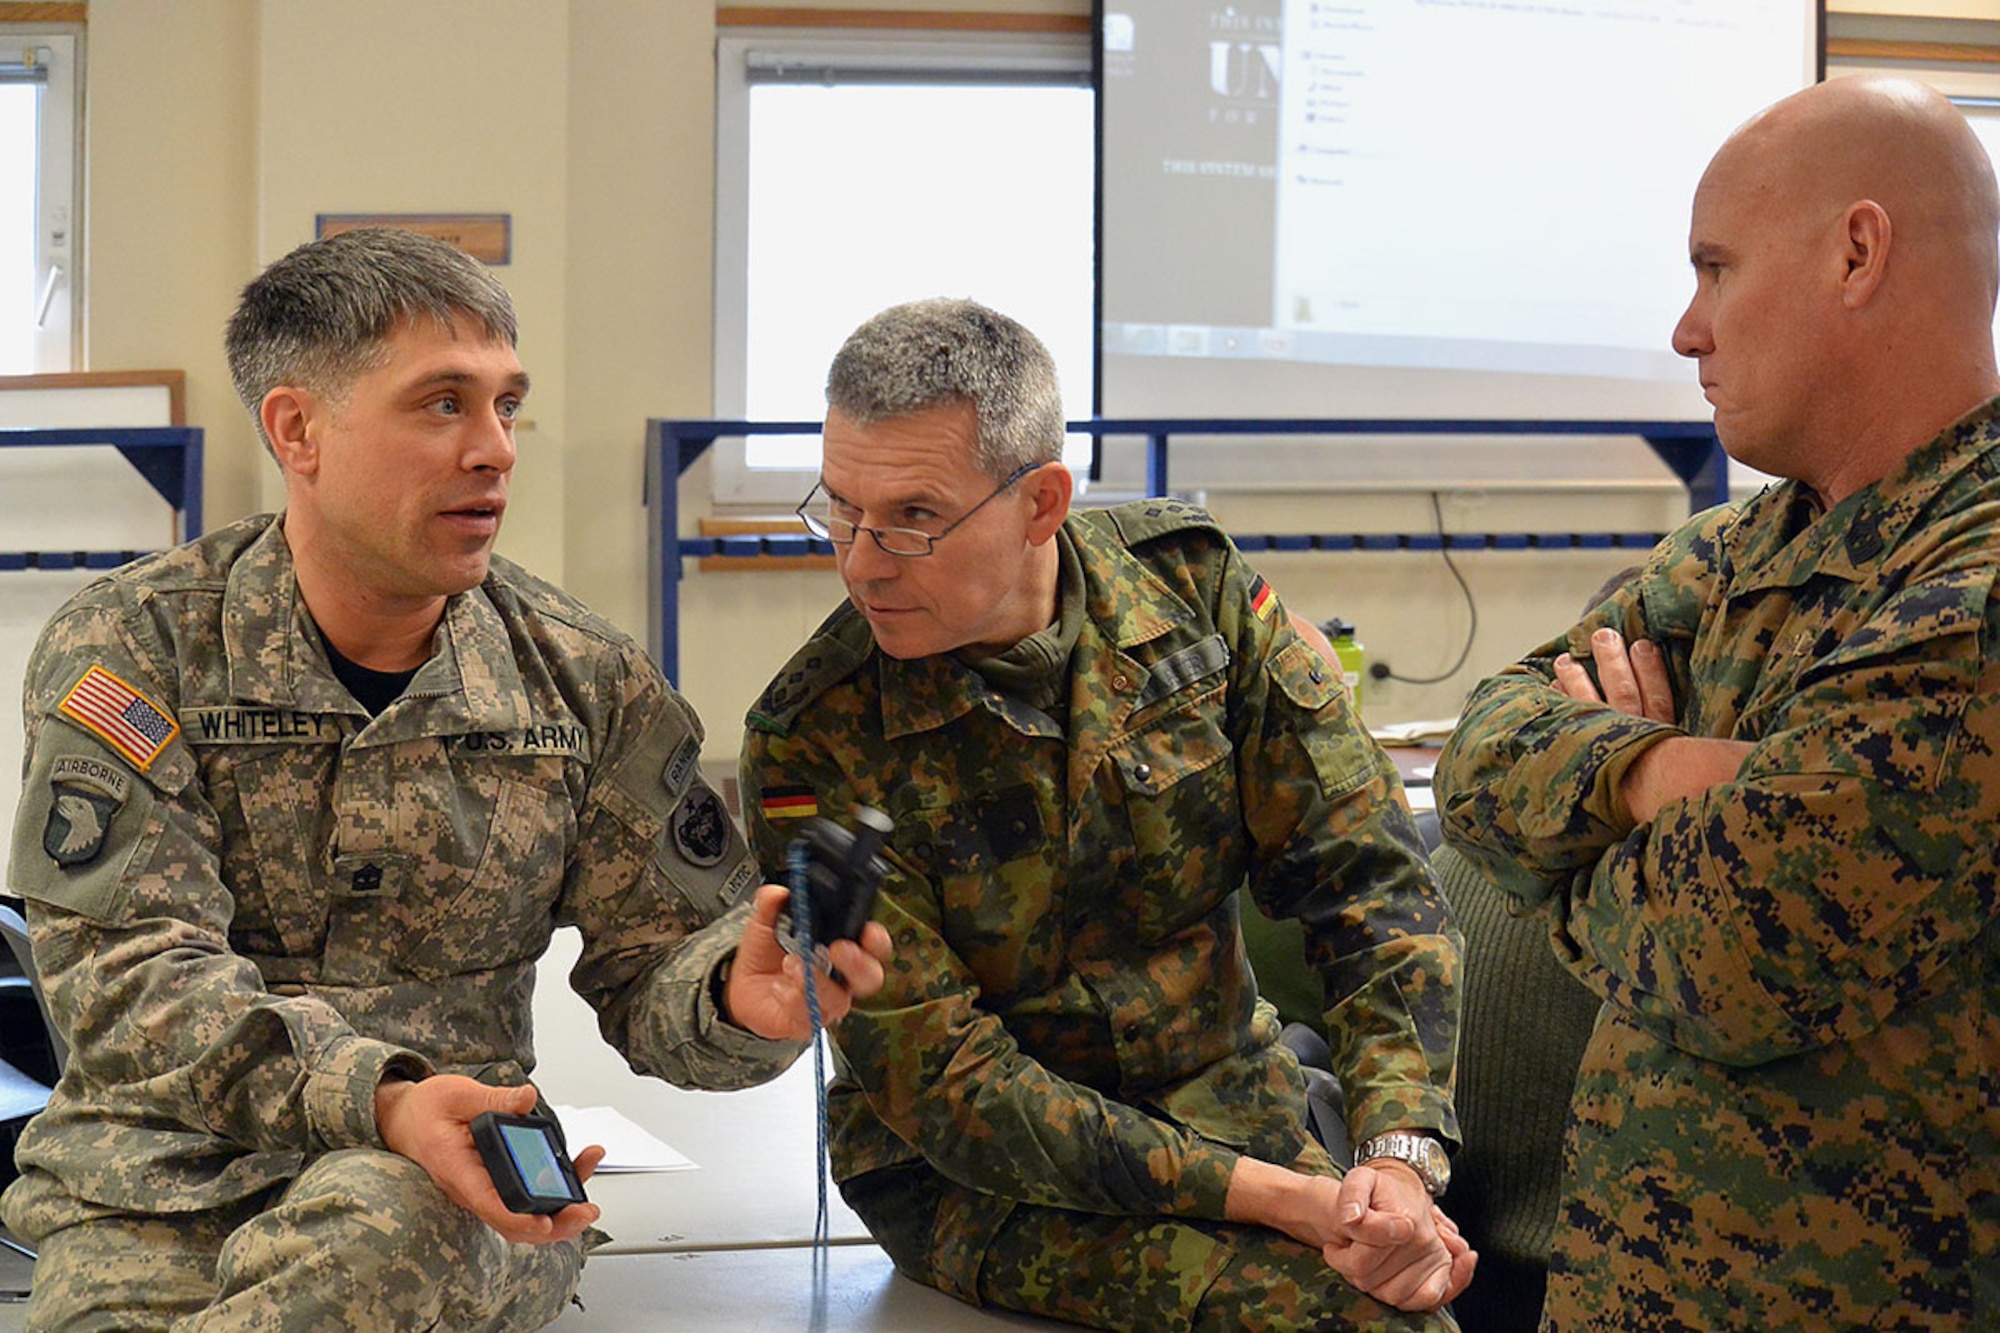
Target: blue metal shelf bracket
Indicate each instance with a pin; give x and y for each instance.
(1689, 448)
(168, 457)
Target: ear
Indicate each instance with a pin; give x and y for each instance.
(1865, 241)
(1049, 486)
(288, 415)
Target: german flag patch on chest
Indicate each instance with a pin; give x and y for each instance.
(789, 803)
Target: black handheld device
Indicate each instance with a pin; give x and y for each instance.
(528, 1161)
(843, 872)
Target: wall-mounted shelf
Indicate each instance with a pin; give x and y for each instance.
(1689, 448)
(168, 457)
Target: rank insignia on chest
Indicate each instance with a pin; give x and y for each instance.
(701, 828)
(84, 795)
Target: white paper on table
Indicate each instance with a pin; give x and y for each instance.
(627, 1147)
(1414, 733)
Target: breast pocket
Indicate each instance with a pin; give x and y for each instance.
(1177, 783)
(990, 858)
(503, 910)
(1885, 703)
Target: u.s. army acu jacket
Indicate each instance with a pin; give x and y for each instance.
(250, 900)
(1069, 1019)
(1787, 1115)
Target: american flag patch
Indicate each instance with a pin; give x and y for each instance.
(1262, 597)
(789, 803)
(125, 719)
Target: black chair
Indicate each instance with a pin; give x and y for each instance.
(32, 1052)
(40, 1046)
(1524, 1026)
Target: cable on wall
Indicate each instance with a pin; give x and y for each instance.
(1381, 670)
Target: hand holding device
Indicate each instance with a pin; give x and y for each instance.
(843, 872)
(528, 1161)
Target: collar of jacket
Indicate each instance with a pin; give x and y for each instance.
(1125, 604)
(1849, 540)
(275, 657)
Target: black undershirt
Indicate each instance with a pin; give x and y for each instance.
(373, 690)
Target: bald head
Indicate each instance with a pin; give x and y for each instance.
(1846, 266)
(1903, 146)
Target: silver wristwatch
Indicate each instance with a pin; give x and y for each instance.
(1420, 1152)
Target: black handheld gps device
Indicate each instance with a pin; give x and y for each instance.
(843, 872)
(528, 1161)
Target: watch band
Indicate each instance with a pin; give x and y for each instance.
(1420, 1152)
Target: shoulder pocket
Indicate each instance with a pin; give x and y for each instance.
(1330, 731)
(84, 821)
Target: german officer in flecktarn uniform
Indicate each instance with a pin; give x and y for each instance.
(304, 801)
(1093, 731)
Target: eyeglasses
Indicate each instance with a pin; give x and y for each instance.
(816, 512)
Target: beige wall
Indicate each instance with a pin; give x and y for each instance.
(218, 128)
(171, 208)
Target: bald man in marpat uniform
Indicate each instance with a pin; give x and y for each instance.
(1757, 792)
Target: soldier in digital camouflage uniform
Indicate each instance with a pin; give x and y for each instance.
(304, 800)
(1091, 733)
(1774, 846)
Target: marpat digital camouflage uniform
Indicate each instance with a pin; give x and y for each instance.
(251, 902)
(1042, 1106)
(1787, 1116)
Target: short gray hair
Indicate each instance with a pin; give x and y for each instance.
(928, 353)
(318, 317)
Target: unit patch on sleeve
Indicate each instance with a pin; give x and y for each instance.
(85, 793)
(701, 829)
(120, 716)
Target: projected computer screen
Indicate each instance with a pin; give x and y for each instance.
(1416, 207)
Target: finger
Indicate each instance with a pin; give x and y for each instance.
(1364, 1215)
(1574, 681)
(1614, 671)
(1462, 1268)
(759, 949)
(1356, 1196)
(875, 939)
(586, 1162)
(521, 1099)
(1656, 688)
(1396, 1276)
(860, 971)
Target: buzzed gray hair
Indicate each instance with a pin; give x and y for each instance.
(927, 353)
(318, 318)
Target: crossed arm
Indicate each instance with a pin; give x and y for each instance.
(1635, 682)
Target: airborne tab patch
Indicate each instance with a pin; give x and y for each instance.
(120, 716)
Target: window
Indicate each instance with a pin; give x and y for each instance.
(38, 244)
(856, 173)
